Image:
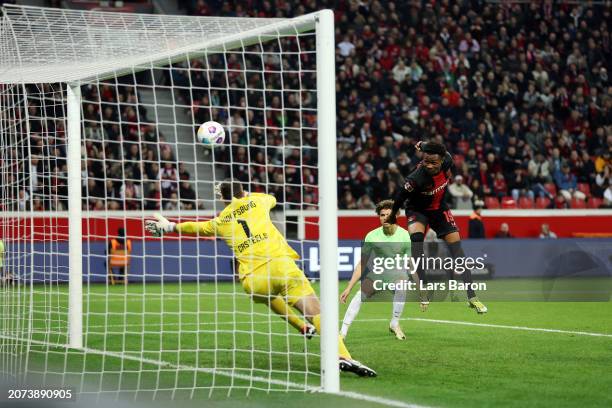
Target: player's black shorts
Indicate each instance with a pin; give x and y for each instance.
(441, 221)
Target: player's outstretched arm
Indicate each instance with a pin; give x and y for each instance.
(160, 225)
(354, 278)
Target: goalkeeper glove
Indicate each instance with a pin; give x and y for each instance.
(159, 227)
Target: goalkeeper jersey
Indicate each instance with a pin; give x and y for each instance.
(246, 227)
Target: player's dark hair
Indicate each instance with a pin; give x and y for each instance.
(384, 205)
(231, 189)
(434, 148)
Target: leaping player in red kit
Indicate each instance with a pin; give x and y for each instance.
(422, 197)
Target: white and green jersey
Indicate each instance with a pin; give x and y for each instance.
(377, 244)
(398, 243)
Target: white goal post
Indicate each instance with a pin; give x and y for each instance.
(96, 109)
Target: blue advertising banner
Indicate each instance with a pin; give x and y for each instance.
(154, 261)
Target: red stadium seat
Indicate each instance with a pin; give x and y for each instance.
(576, 203)
(551, 187)
(585, 188)
(492, 203)
(508, 203)
(463, 146)
(525, 203)
(594, 202)
(542, 202)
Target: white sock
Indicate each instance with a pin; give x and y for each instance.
(399, 299)
(351, 313)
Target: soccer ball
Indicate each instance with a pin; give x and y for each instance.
(211, 133)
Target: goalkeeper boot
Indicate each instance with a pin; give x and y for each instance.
(397, 331)
(308, 330)
(354, 366)
(474, 303)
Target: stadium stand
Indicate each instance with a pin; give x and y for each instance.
(511, 79)
(517, 91)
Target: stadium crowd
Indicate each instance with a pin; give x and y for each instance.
(126, 163)
(518, 92)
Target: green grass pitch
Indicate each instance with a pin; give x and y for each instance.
(185, 342)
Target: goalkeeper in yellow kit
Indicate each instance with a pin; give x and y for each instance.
(267, 266)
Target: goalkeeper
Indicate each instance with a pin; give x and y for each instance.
(267, 268)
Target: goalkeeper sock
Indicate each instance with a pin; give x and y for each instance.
(342, 350)
(399, 299)
(280, 307)
(351, 313)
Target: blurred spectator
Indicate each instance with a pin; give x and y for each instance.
(188, 196)
(504, 231)
(608, 196)
(518, 185)
(566, 182)
(346, 46)
(348, 201)
(539, 174)
(400, 72)
(172, 202)
(546, 233)
(476, 227)
(462, 195)
(365, 203)
(169, 179)
(500, 188)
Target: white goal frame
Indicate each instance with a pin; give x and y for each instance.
(26, 72)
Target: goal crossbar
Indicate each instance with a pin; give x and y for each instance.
(102, 59)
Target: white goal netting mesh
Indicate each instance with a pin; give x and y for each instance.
(169, 319)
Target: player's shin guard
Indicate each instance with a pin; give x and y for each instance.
(280, 307)
(342, 350)
(456, 251)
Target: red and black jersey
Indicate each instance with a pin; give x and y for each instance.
(422, 191)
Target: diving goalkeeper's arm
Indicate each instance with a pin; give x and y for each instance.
(161, 225)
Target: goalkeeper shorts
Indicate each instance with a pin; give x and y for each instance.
(279, 277)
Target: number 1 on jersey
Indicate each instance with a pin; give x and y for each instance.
(245, 227)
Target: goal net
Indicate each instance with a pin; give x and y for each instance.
(98, 114)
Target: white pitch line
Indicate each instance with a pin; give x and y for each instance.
(273, 321)
(225, 373)
(379, 400)
(497, 326)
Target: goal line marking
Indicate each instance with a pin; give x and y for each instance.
(497, 326)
